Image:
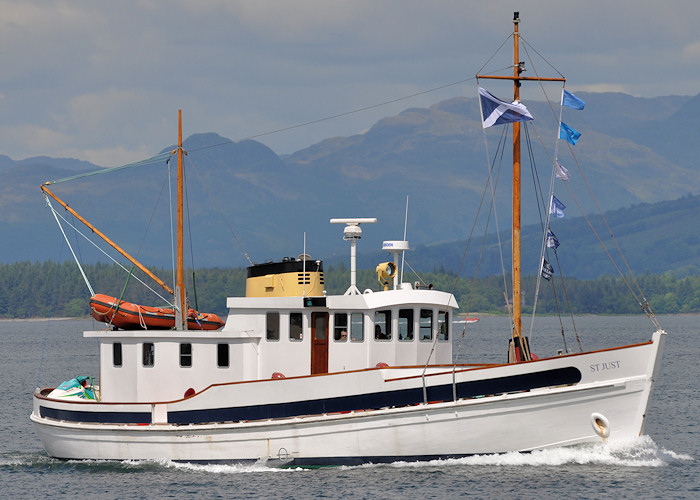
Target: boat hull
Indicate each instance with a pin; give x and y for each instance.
(614, 387)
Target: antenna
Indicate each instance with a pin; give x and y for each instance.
(352, 233)
(405, 228)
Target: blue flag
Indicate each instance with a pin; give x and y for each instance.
(497, 112)
(557, 208)
(571, 101)
(552, 241)
(547, 270)
(569, 134)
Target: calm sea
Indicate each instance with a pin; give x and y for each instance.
(662, 464)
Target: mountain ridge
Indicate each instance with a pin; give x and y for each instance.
(434, 157)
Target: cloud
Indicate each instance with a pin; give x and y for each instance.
(30, 137)
(691, 53)
(108, 157)
(108, 77)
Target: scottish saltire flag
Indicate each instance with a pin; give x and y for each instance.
(557, 208)
(552, 241)
(560, 171)
(547, 270)
(571, 101)
(497, 112)
(566, 132)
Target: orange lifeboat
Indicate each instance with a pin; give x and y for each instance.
(130, 316)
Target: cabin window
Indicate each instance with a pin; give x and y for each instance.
(273, 326)
(185, 355)
(117, 353)
(443, 325)
(222, 355)
(382, 325)
(426, 324)
(340, 327)
(149, 354)
(295, 331)
(405, 325)
(357, 327)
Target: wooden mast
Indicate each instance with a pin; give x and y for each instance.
(517, 297)
(518, 337)
(180, 299)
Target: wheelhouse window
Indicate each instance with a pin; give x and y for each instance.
(273, 326)
(405, 325)
(357, 327)
(117, 354)
(149, 354)
(382, 325)
(222, 358)
(443, 326)
(426, 324)
(295, 326)
(186, 355)
(340, 327)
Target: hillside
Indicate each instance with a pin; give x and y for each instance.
(246, 200)
(654, 238)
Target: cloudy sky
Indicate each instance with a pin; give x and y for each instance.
(102, 80)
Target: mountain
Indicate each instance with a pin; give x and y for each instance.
(245, 200)
(651, 237)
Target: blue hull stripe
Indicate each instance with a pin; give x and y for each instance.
(371, 401)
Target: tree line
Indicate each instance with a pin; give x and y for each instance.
(50, 289)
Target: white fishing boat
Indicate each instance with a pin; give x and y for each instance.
(299, 376)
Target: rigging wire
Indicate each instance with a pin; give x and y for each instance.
(148, 161)
(48, 321)
(109, 257)
(339, 115)
(56, 215)
(495, 214)
(641, 300)
(541, 204)
(189, 233)
(499, 151)
(172, 220)
(212, 200)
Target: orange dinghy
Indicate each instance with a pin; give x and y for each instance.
(129, 316)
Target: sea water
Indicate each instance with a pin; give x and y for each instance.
(661, 464)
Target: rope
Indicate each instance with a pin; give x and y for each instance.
(189, 232)
(140, 163)
(646, 308)
(56, 215)
(142, 321)
(48, 321)
(540, 205)
(112, 259)
(212, 200)
(501, 148)
(339, 115)
(119, 300)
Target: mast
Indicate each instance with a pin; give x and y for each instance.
(517, 297)
(180, 299)
(519, 339)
